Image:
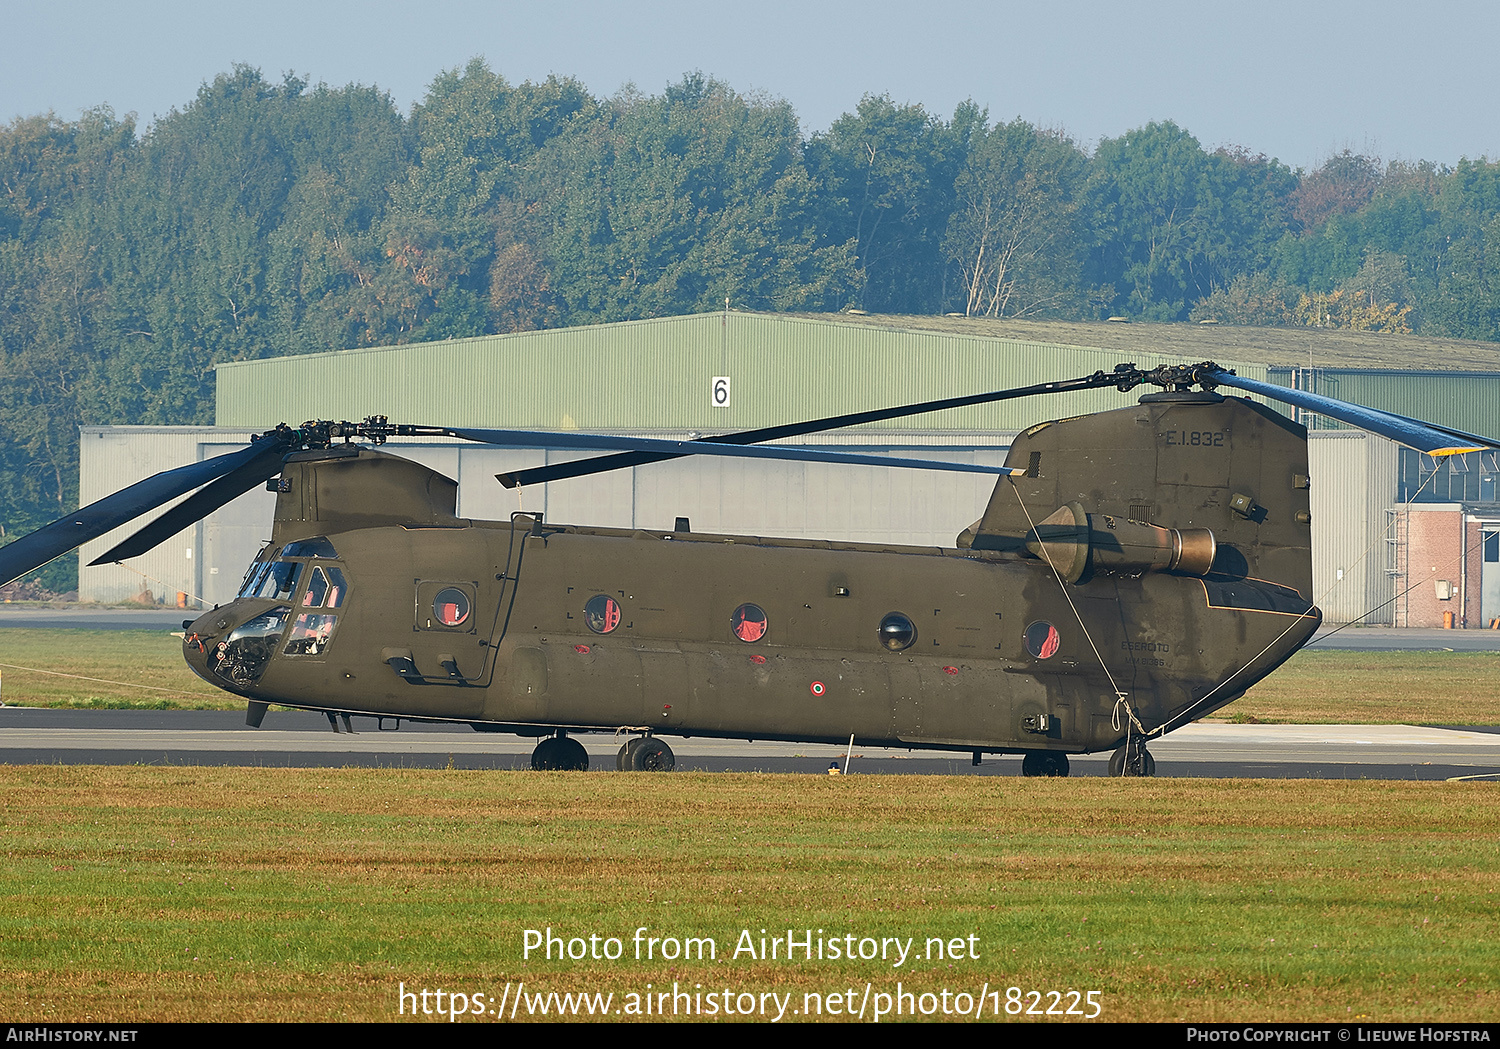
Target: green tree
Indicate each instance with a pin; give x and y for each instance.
(53, 177)
(1180, 221)
(673, 204)
(476, 136)
(1344, 184)
(1017, 234)
(887, 174)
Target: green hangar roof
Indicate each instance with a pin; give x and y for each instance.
(659, 375)
(1318, 348)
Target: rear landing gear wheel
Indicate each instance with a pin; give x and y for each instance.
(623, 758)
(1044, 763)
(559, 754)
(1133, 759)
(651, 755)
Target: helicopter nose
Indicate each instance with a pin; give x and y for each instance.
(200, 638)
(232, 644)
(196, 647)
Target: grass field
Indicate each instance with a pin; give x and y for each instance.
(1316, 687)
(216, 894)
(130, 668)
(1377, 688)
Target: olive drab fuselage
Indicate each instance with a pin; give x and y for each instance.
(1153, 561)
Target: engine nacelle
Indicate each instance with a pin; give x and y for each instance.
(1075, 541)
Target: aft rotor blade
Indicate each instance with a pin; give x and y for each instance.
(1414, 433)
(50, 541)
(197, 506)
(676, 449)
(601, 464)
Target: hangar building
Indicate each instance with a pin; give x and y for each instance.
(1381, 514)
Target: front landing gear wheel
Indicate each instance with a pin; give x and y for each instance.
(1044, 763)
(559, 754)
(651, 755)
(1121, 763)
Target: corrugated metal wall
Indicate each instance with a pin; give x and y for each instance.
(657, 375)
(1353, 478)
(206, 559)
(1463, 400)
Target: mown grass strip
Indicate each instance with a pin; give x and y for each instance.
(1333, 687)
(130, 659)
(173, 894)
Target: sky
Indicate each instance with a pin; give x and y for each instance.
(1295, 81)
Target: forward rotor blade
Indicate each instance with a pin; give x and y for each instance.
(677, 449)
(50, 541)
(585, 467)
(1414, 433)
(196, 507)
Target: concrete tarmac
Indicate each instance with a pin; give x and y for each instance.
(299, 739)
(1406, 639)
(90, 617)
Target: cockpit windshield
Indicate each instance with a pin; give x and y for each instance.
(275, 574)
(253, 574)
(278, 581)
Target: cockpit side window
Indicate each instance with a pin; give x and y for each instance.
(317, 589)
(326, 588)
(337, 588)
(310, 635)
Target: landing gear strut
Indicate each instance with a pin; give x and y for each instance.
(1133, 759)
(559, 754)
(1044, 763)
(645, 754)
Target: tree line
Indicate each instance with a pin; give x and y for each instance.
(268, 218)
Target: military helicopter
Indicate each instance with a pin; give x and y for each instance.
(1135, 569)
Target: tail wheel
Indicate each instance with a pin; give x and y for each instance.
(651, 755)
(1121, 763)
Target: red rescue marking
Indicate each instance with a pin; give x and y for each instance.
(584, 649)
(757, 659)
(1049, 647)
(817, 688)
(950, 670)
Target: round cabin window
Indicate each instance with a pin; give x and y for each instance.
(1042, 639)
(450, 607)
(602, 613)
(897, 632)
(749, 623)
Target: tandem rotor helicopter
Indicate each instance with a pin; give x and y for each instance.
(1135, 569)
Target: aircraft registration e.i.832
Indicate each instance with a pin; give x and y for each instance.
(1135, 569)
